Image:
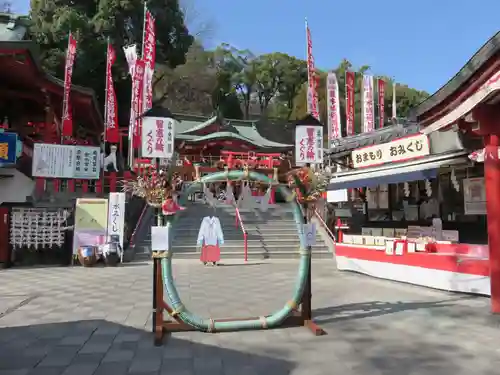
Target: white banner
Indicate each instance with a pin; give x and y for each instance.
(66, 161)
(131, 57)
(332, 93)
(157, 137)
(368, 108)
(403, 149)
(116, 216)
(308, 145)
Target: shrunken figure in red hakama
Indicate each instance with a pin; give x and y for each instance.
(210, 238)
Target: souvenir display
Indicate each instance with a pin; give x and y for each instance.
(210, 238)
(37, 228)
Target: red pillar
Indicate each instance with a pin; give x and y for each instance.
(489, 120)
(492, 183)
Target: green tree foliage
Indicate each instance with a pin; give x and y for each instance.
(92, 22)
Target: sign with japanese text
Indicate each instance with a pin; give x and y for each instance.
(157, 137)
(149, 56)
(332, 93)
(474, 196)
(416, 146)
(67, 116)
(312, 79)
(8, 148)
(111, 116)
(350, 78)
(308, 145)
(87, 162)
(136, 106)
(381, 102)
(116, 216)
(66, 161)
(368, 108)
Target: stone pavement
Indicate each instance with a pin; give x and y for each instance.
(80, 321)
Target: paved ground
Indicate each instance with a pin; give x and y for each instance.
(96, 321)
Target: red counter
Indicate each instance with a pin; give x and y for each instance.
(451, 267)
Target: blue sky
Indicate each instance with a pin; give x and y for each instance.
(420, 43)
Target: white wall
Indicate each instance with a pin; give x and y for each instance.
(15, 189)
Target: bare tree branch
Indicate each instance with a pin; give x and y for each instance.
(201, 27)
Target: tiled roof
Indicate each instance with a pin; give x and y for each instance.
(379, 136)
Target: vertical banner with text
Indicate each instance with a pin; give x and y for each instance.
(368, 108)
(332, 93)
(350, 78)
(67, 116)
(116, 216)
(149, 57)
(312, 83)
(381, 102)
(112, 131)
(136, 107)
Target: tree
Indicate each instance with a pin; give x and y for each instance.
(92, 22)
(240, 67)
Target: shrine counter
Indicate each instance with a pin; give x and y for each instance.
(441, 265)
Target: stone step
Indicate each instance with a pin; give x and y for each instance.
(253, 255)
(239, 247)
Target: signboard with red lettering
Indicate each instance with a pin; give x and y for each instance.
(408, 148)
(157, 137)
(308, 145)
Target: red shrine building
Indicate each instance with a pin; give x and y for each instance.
(427, 215)
(470, 104)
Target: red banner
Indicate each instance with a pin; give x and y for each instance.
(381, 102)
(112, 131)
(67, 116)
(149, 57)
(350, 78)
(136, 107)
(312, 92)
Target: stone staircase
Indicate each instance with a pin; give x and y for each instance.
(271, 234)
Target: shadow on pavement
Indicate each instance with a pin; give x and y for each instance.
(103, 348)
(353, 311)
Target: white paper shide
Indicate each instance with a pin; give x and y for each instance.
(308, 144)
(157, 137)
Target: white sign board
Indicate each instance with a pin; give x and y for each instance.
(474, 196)
(87, 162)
(116, 216)
(310, 234)
(157, 137)
(160, 238)
(53, 161)
(408, 148)
(308, 145)
(66, 161)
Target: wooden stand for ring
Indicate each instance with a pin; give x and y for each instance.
(301, 317)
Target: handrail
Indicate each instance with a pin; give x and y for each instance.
(132, 237)
(245, 235)
(330, 233)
